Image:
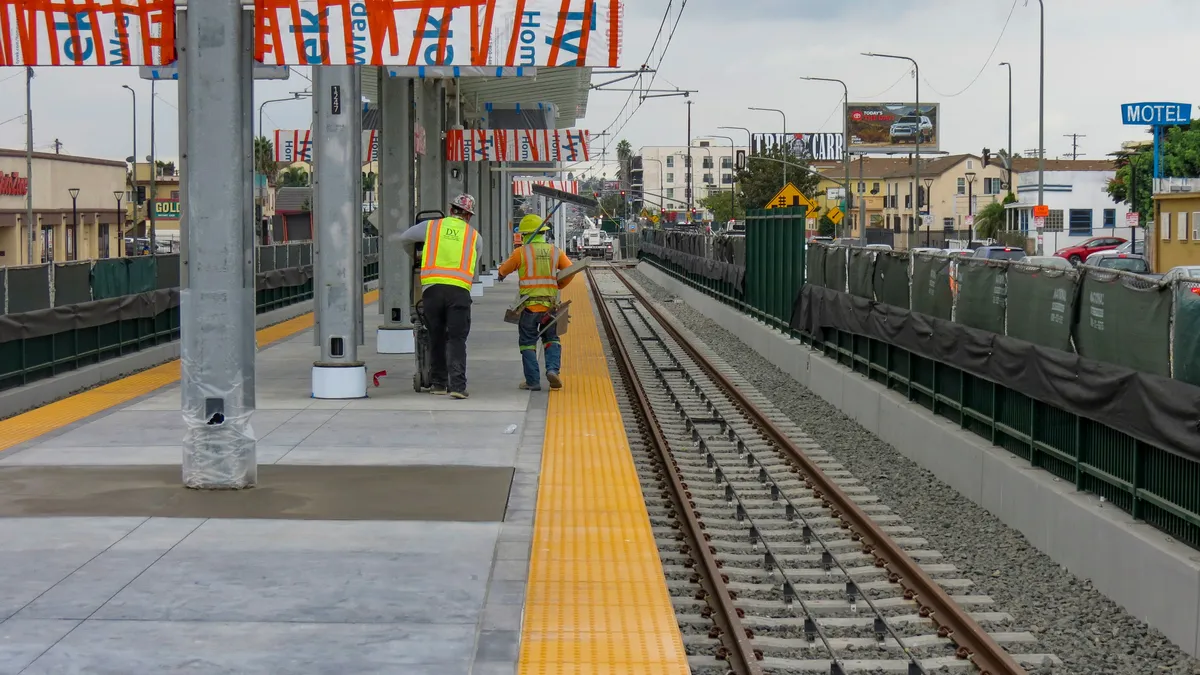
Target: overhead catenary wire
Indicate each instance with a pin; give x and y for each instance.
(877, 95)
(986, 62)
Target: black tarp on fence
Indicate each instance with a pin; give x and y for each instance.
(28, 288)
(72, 283)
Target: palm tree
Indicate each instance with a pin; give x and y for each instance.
(293, 176)
(264, 156)
(624, 155)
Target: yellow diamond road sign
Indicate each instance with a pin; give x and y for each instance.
(790, 196)
(835, 214)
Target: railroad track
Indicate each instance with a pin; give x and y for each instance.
(779, 561)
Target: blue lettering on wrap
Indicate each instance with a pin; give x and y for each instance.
(70, 48)
(569, 42)
(310, 24)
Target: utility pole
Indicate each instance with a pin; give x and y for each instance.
(1075, 144)
(153, 175)
(689, 162)
(29, 222)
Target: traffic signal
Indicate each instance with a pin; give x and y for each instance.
(622, 194)
(987, 157)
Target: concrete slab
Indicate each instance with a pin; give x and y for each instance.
(226, 648)
(296, 591)
(431, 493)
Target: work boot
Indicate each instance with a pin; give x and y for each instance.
(460, 395)
(530, 387)
(554, 380)
(438, 390)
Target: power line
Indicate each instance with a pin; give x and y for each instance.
(986, 61)
(839, 105)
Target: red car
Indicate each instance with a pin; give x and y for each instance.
(1077, 254)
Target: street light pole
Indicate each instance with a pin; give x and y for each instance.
(733, 177)
(1041, 107)
(74, 192)
(661, 187)
(970, 206)
(153, 177)
(262, 191)
(1010, 118)
(845, 129)
(785, 138)
(132, 160)
(917, 161)
(120, 224)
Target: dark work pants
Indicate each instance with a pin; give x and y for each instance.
(448, 314)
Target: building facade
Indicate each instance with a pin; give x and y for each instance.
(1080, 208)
(1175, 239)
(665, 174)
(88, 226)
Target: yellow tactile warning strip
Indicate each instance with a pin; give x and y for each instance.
(596, 600)
(28, 426)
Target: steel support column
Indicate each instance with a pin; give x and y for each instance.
(217, 346)
(396, 210)
(431, 106)
(337, 219)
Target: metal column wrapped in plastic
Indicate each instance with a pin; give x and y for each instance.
(219, 439)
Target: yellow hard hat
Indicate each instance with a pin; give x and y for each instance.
(530, 224)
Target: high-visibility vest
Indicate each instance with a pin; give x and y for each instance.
(538, 271)
(449, 256)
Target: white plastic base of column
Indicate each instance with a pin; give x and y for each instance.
(477, 290)
(396, 341)
(339, 383)
(487, 280)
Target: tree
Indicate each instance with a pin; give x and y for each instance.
(989, 221)
(762, 178)
(1134, 184)
(624, 157)
(293, 176)
(165, 168)
(825, 226)
(720, 205)
(264, 156)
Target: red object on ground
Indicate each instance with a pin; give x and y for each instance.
(382, 373)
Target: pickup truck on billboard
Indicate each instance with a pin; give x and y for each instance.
(893, 127)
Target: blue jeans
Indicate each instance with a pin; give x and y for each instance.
(527, 336)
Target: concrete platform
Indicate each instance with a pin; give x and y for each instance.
(388, 535)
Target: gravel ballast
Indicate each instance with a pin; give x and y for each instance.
(1090, 633)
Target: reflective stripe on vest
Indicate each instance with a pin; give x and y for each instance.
(449, 255)
(538, 274)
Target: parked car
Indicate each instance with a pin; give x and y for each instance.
(1077, 254)
(905, 129)
(1132, 247)
(1050, 261)
(964, 252)
(879, 247)
(925, 249)
(1000, 252)
(1191, 272)
(1126, 262)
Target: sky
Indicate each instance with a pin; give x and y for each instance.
(752, 53)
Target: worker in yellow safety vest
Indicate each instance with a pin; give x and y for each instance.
(537, 263)
(449, 265)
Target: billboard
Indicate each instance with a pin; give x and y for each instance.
(893, 127)
(820, 147)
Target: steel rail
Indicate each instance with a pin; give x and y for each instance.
(738, 652)
(952, 621)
